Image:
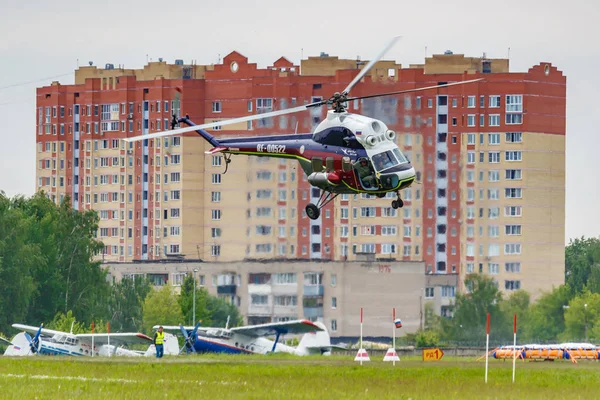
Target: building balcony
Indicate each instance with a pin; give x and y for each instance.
(282, 290)
(285, 310)
(260, 309)
(264, 289)
(313, 312)
(313, 290)
(226, 289)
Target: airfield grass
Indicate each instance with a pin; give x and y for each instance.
(289, 377)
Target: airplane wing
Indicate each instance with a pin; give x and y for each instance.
(176, 329)
(117, 338)
(287, 327)
(34, 329)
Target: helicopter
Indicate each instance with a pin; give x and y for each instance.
(346, 154)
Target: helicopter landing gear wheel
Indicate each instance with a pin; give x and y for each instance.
(397, 203)
(312, 211)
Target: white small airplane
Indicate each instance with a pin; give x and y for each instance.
(51, 342)
(252, 339)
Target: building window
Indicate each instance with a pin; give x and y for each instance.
(333, 325)
(511, 230)
(513, 174)
(512, 285)
(471, 120)
(512, 211)
(216, 106)
(513, 193)
(215, 250)
(471, 102)
(429, 292)
(513, 156)
(514, 137)
(512, 248)
(494, 120)
(494, 101)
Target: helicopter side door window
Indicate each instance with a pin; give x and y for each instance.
(365, 172)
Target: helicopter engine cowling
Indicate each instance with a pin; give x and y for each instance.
(324, 179)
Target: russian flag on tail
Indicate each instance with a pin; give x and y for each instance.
(398, 323)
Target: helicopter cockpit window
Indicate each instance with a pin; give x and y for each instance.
(384, 160)
(337, 136)
(401, 157)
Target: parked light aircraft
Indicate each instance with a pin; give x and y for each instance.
(51, 342)
(252, 339)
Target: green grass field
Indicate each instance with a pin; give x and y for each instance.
(288, 377)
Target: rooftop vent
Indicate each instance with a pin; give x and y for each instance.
(323, 54)
(178, 62)
(91, 63)
(109, 66)
(160, 59)
(447, 52)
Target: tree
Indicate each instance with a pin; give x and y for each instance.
(161, 308)
(186, 302)
(65, 274)
(581, 318)
(64, 323)
(19, 256)
(220, 310)
(211, 310)
(517, 303)
(582, 261)
(545, 320)
(471, 308)
(125, 304)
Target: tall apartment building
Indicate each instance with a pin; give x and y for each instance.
(490, 158)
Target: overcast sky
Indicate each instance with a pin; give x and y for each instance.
(43, 39)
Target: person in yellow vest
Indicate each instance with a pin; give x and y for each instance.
(159, 340)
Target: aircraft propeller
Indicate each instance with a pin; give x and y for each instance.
(189, 338)
(34, 344)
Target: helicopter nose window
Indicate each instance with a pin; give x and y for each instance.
(384, 160)
(400, 156)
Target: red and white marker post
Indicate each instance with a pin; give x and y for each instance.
(394, 334)
(362, 353)
(487, 345)
(514, 347)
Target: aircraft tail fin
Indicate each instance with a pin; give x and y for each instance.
(315, 342)
(19, 346)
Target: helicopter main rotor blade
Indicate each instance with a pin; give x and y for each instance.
(414, 90)
(227, 122)
(370, 65)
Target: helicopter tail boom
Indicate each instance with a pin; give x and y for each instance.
(207, 136)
